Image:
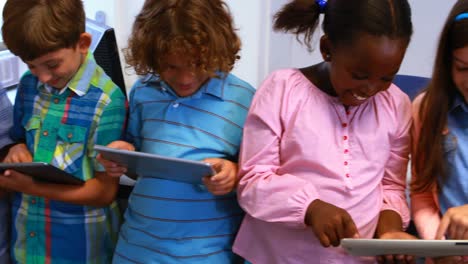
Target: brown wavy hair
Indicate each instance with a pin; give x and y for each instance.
(428, 155)
(200, 29)
(33, 28)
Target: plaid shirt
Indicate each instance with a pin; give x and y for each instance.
(62, 129)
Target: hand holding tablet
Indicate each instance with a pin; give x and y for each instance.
(41, 171)
(151, 165)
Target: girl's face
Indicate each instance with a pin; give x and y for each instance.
(181, 75)
(368, 66)
(460, 70)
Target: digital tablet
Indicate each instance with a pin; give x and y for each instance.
(419, 247)
(151, 165)
(42, 171)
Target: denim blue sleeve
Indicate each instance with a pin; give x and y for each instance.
(6, 118)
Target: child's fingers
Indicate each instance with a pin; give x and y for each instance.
(218, 189)
(444, 223)
(350, 228)
(334, 237)
(324, 240)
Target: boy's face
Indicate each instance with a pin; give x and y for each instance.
(181, 75)
(460, 70)
(57, 68)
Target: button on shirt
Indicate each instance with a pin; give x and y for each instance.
(301, 144)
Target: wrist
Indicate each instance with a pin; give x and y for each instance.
(309, 212)
(389, 222)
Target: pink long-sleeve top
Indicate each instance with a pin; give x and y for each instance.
(424, 205)
(301, 144)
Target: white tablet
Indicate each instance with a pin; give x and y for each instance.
(42, 171)
(419, 247)
(151, 165)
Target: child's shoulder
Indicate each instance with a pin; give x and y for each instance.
(28, 78)
(235, 87)
(145, 85)
(287, 81)
(395, 97)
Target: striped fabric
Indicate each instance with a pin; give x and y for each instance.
(62, 129)
(174, 222)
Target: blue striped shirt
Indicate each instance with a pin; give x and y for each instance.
(454, 190)
(174, 222)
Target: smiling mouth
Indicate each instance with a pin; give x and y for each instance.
(359, 98)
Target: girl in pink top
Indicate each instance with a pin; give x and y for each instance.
(325, 148)
(439, 192)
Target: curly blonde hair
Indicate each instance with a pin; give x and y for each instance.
(198, 29)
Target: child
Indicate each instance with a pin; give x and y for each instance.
(188, 106)
(440, 182)
(6, 117)
(325, 147)
(64, 106)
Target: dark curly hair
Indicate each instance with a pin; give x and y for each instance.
(199, 29)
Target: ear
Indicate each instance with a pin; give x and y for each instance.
(325, 48)
(84, 43)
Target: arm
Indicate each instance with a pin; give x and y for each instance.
(424, 207)
(98, 190)
(262, 192)
(132, 135)
(394, 180)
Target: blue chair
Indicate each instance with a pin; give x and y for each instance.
(411, 85)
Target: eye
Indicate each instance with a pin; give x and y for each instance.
(359, 77)
(53, 66)
(388, 79)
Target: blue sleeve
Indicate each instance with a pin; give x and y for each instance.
(17, 132)
(6, 117)
(134, 120)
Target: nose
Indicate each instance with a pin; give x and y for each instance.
(43, 75)
(185, 76)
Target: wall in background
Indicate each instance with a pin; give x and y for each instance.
(264, 50)
(428, 17)
(250, 18)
